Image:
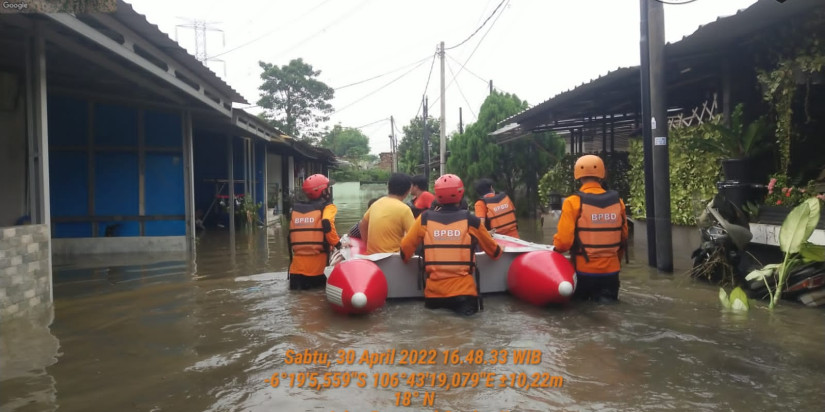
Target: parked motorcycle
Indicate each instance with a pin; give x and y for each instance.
(725, 234)
(722, 257)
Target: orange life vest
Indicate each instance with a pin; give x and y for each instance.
(306, 228)
(599, 228)
(448, 246)
(501, 213)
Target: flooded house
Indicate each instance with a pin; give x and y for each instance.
(116, 139)
(708, 73)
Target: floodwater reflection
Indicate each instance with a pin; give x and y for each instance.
(179, 334)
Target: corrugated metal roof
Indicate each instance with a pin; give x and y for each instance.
(615, 75)
(725, 31)
(127, 15)
(713, 36)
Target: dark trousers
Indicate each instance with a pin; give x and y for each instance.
(303, 282)
(462, 305)
(597, 287)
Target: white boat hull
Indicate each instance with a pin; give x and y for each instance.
(404, 279)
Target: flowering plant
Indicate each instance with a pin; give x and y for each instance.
(781, 193)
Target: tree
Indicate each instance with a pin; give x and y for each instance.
(347, 143)
(411, 150)
(296, 102)
(475, 154)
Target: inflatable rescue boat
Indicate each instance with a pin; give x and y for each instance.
(530, 271)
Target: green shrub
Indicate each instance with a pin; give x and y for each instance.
(354, 174)
(694, 171)
(560, 180)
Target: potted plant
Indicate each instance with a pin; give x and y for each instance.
(740, 146)
(783, 196)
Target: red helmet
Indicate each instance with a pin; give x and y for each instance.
(449, 189)
(314, 186)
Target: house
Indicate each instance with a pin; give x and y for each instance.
(114, 139)
(707, 73)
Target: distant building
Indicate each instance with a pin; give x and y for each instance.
(385, 162)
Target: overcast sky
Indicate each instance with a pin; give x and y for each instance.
(533, 48)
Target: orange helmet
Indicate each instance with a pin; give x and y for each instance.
(588, 165)
(314, 186)
(449, 189)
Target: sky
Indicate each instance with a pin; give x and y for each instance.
(534, 49)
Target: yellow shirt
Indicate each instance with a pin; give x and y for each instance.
(388, 219)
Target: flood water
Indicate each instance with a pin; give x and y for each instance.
(166, 333)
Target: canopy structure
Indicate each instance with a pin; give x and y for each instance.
(715, 63)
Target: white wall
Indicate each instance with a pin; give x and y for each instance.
(274, 164)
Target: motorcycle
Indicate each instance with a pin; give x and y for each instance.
(725, 234)
(722, 257)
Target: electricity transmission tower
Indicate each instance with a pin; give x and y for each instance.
(200, 28)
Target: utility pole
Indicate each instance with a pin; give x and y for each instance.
(644, 69)
(443, 147)
(491, 87)
(661, 158)
(392, 145)
(425, 141)
(460, 122)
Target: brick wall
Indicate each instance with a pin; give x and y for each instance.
(25, 270)
(385, 162)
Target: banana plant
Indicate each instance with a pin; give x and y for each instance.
(793, 240)
(737, 140)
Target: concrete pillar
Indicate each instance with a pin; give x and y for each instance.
(230, 153)
(290, 170)
(265, 194)
(189, 179)
(141, 171)
(38, 136)
(39, 130)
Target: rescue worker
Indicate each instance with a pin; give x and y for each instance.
(449, 236)
(593, 227)
(496, 211)
(422, 199)
(312, 234)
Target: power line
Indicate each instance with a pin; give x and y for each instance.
(477, 45)
(473, 52)
(483, 80)
(469, 106)
(337, 20)
(268, 33)
(426, 86)
(676, 3)
(380, 88)
(380, 75)
(479, 27)
(372, 123)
